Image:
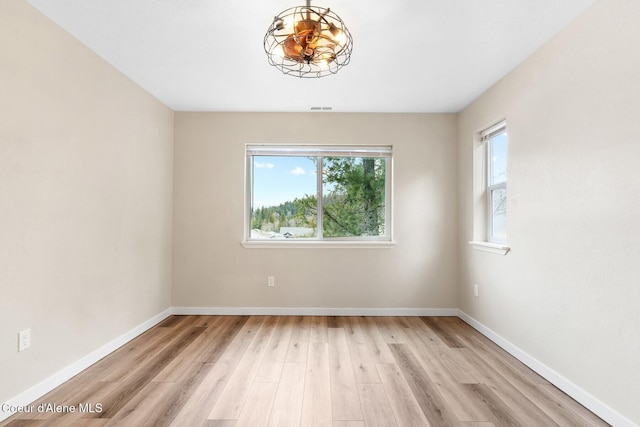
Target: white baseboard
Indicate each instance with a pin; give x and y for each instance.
(585, 399)
(312, 311)
(34, 393)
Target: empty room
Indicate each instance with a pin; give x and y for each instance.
(337, 213)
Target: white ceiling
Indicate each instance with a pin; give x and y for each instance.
(408, 55)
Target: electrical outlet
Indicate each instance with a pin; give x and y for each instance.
(24, 339)
(271, 281)
(475, 290)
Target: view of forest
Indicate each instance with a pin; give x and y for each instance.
(353, 203)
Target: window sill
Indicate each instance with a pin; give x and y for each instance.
(317, 244)
(494, 248)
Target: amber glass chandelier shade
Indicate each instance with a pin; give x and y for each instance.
(308, 41)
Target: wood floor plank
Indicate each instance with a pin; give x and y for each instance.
(92, 422)
(126, 359)
(560, 413)
(403, 403)
(449, 357)
(432, 359)
(435, 324)
(202, 400)
(349, 424)
(127, 367)
(332, 322)
(287, 407)
(376, 408)
(299, 341)
(477, 341)
(191, 379)
(531, 386)
(519, 403)
(375, 341)
(273, 360)
(478, 424)
(119, 398)
(576, 415)
(456, 361)
(345, 401)
(257, 407)
(250, 328)
(427, 334)
(216, 330)
(171, 321)
(223, 334)
(218, 423)
(18, 422)
(230, 403)
(318, 329)
(181, 365)
(391, 331)
(142, 409)
(316, 405)
(364, 366)
(498, 411)
(428, 397)
(461, 328)
(195, 373)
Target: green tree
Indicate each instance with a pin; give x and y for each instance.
(354, 196)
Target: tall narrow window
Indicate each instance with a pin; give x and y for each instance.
(495, 140)
(318, 192)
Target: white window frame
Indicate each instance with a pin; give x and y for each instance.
(484, 239)
(487, 138)
(320, 151)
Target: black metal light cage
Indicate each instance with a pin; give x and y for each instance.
(308, 42)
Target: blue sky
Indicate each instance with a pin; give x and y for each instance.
(499, 158)
(277, 179)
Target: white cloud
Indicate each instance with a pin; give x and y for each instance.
(264, 165)
(297, 171)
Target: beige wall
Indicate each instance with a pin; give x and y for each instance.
(212, 269)
(85, 200)
(568, 293)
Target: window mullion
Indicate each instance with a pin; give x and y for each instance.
(319, 171)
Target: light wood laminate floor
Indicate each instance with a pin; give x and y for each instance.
(233, 371)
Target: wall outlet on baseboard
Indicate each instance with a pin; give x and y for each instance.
(24, 339)
(475, 290)
(271, 281)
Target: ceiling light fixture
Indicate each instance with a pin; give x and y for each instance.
(308, 41)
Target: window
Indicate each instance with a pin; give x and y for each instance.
(318, 193)
(495, 142)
